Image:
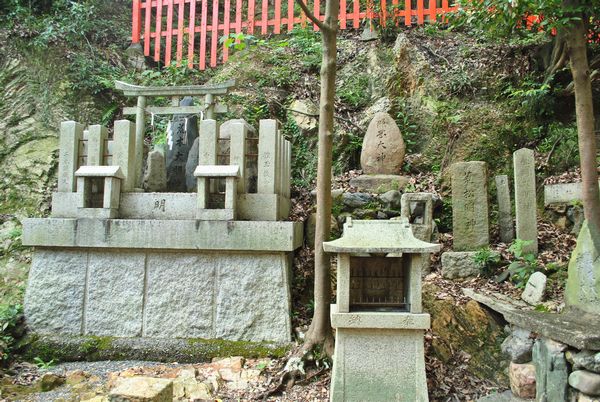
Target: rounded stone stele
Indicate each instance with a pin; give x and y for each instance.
(383, 147)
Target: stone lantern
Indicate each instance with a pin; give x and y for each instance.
(379, 321)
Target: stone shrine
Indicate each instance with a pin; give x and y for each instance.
(115, 261)
(379, 320)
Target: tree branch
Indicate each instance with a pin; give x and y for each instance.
(311, 16)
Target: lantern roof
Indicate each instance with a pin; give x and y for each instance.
(379, 236)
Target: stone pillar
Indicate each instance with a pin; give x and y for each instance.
(525, 198)
(505, 220)
(207, 149)
(70, 134)
(97, 136)
(470, 206)
(267, 157)
(237, 153)
(140, 130)
(288, 168)
(343, 283)
(124, 152)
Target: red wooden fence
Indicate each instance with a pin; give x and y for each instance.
(165, 25)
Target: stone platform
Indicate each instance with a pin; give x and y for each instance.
(161, 279)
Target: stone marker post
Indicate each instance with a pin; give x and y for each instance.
(525, 198)
(505, 220)
(96, 139)
(237, 153)
(470, 210)
(124, 152)
(70, 134)
(267, 157)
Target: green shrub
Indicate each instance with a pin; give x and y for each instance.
(10, 316)
(524, 265)
(487, 261)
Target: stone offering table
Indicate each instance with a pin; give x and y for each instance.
(378, 317)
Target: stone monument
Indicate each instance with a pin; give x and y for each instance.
(381, 157)
(379, 320)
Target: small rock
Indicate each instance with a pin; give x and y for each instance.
(142, 389)
(522, 380)
(587, 398)
(518, 346)
(310, 227)
(365, 214)
(356, 200)
(588, 360)
(535, 289)
(49, 381)
(391, 199)
(381, 215)
(155, 176)
(304, 113)
(335, 193)
(368, 34)
(76, 377)
(586, 382)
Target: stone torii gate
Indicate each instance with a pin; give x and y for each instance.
(209, 108)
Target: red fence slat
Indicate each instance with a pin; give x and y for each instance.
(317, 12)
(226, 23)
(191, 34)
(169, 39)
(180, 31)
(251, 17)
(215, 34)
(158, 30)
(136, 21)
(290, 18)
(407, 12)
(148, 17)
(203, 26)
(277, 26)
(264, 16)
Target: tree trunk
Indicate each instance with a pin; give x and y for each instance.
(320, 332)
(580, 69)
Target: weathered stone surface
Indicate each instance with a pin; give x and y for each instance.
(356, 200)
(586, 382)
(55, 291)
(142, 389)
(525, 199)
(392, 199)
(506, 396)
(518, 346)
(115, 293)
(505, 219)
(252, 298)
(379, 183)
(551, 370)
(535, 289)
(582, 290)
(304, 113)
(522, 379)
(179, 295)
(470, 206)
(180, 138)
(468, 329)
(155, 177)
(587, 398)
(418, 209)
(459, 264)
(383, 147)
(587, 360)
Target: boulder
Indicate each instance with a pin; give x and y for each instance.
(535, 289)
(180, 139)
(459, 264)
(383, 147)
(49, 381)
(586, 382)
(551, 370)
(522, 380)
(586, 359)
(518, 346)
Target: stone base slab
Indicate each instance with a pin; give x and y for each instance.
(378, 365)
(160, 294)
(163, 234)
(379, 183)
